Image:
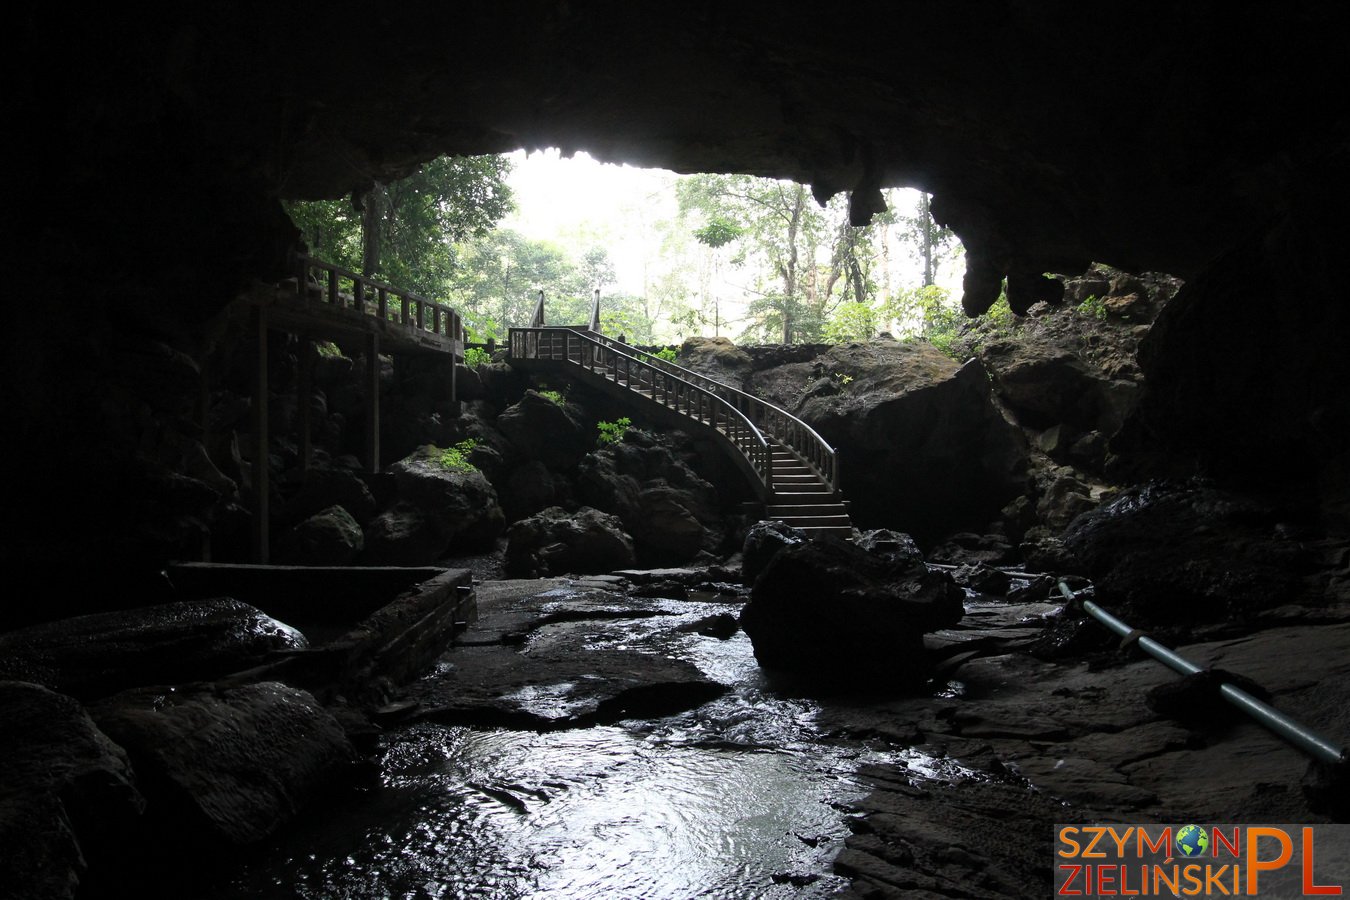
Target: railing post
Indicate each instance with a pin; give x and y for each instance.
(383, 304)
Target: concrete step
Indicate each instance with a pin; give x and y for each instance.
(816, 521)
(829, 531)
(781, 487)
(780, 510)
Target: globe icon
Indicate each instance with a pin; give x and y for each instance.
(1192, 840)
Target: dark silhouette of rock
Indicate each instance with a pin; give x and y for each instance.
(327, 538)
(557, 541)
(66, 793)
(845, 616)
(326, 487)
(235, 762)
(1184, 553)
(891, 544)
(671, 512)
(921, 445)
(549, 432)
(99, 654)
(531, 487)
(762, 543)
(437, 507)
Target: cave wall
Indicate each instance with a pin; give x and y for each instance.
(154, 147)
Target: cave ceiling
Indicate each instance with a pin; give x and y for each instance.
(1052, 134)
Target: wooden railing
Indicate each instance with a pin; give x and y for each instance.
(778, 423)
(342, 289)
(620, 363)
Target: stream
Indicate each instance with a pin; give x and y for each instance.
(741, 797)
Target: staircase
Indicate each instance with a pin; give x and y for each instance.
(794, 472)
(802, 499)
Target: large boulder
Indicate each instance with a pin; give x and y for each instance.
(921, 445)
(101, 653)
(843, 615)
(438, 506)
(66, 792)
(235, 762)
(330, 537)
(717, 358)
(671, 512)
(1185, 553)
(762, 543)
(323, 488)
(557, 541)
(550, 432)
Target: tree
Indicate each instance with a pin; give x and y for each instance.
(931, 240)
(773, 219)
(404, 232)
(500, 274)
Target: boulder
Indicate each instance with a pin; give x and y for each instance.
(529, 488)
(66, 792)
(668, 530)
(549, 432)
(99, 654)
(1168, 553)
(717, 358)
(436, 507)
(1045, 385)
(327, 487)
(921, 445)
(891, 544)
(234, 762)
(327, 538)
(671, 512)
(556, 541)
(845, 616)
(762, 543)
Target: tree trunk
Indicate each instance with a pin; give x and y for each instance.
(372, 214)
(926, 219)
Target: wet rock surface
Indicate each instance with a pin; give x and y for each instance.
(1022, 740)
(99, 654)
(233, 763)
(530, 661)
(66, 792)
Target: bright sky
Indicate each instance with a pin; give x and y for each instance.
(578, 202)
(582, 202)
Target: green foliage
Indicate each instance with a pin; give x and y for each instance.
(456, 458)
(1093, 306)
(475, 357)
(612, 432)
(843, 378)
(327, 349)
(719, 232)
(554, 396)
(852, 321)
(666, 353)
(414, 222)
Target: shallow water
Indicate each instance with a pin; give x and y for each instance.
(738, 798)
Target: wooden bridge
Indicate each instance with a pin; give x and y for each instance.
(795, 473)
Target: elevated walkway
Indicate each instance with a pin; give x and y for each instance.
(794, 472)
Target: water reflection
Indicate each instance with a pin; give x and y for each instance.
(731, 800)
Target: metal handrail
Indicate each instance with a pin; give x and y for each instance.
(611, 360)
(778, 422)
(1301, 736)
(412, 309)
